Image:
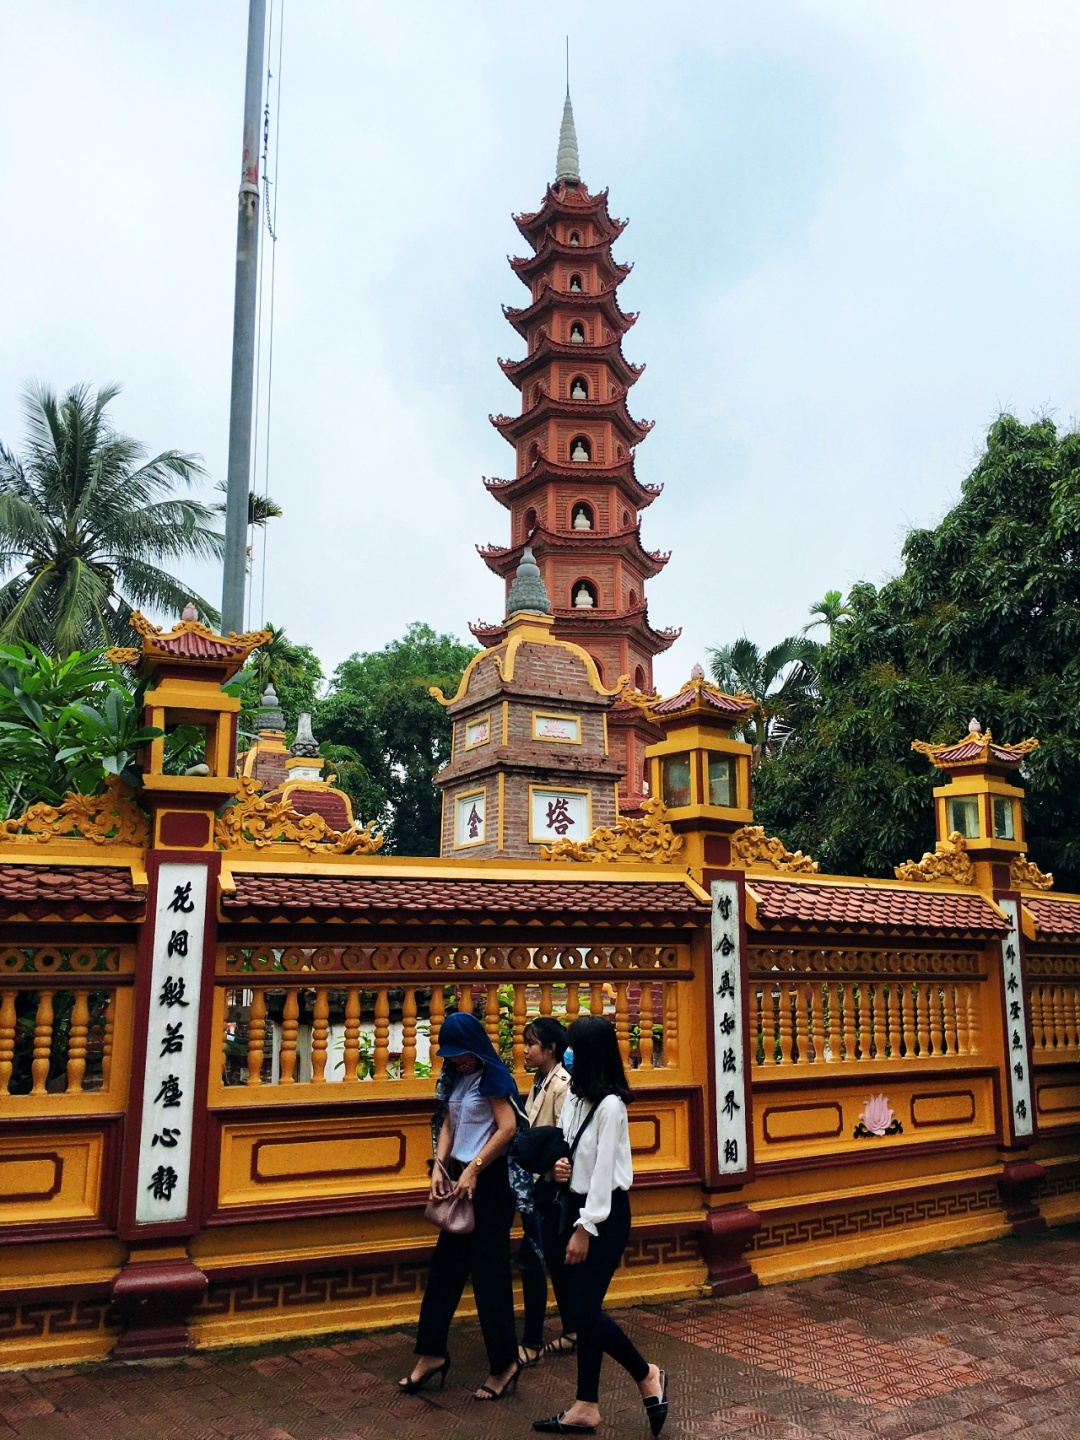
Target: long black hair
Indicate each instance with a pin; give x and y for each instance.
(598, 1067)
(548, 1034)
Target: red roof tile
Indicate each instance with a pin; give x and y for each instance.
(1055, 918)
(295, 895)
(190, 645)
(715, 699)
(105, 892)
(860, 908)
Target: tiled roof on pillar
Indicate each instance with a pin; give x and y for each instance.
(1057, 919)
(68, 892)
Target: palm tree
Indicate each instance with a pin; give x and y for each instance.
(261, 508)
(780, 682)
(830, 610)
(277, 661)
(85, 520)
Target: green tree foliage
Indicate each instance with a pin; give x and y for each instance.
(983, 621)
(64, 725)
(85, 520)
(780, 681)
(387, 737)
(829, 611)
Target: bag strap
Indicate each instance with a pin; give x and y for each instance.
(581, 1130)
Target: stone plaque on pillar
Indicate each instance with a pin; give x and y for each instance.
(1018, 1059)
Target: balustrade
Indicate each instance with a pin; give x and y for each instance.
(887, 1013)
(305, 1016)
(59, 1013)
(1053, 1011)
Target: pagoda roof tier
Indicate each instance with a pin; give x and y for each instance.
(549, 349)
(978, 749)
(513, 428)
(504, 559)
(603, 301)
(586, 627)
(527, 267)
(566, 201)
(620, 473)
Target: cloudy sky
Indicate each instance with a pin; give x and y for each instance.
(854, 228)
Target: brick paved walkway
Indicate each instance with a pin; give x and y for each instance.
(972, 1345)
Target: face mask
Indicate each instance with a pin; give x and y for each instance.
(568, 1059)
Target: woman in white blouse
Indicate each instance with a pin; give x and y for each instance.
(597, 1225)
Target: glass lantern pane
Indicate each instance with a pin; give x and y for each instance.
(964, 817)
(1003, 819)
(676, 771)
(721, 780)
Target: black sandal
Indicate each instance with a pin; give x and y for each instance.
(530, 1355)
(409, 1386)
(563, 1345)
(487, 1395)
(558, 1426)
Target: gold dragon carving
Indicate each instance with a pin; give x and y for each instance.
(650, 839)
(751, 846)
(948, 860)
(1023, 871)
(256, 821)
(112, 818)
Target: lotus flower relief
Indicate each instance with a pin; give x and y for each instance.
(877, 1119)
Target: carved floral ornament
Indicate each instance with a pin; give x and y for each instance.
(1024, 873)
(112, 818)
(877, 1120)
(949, 860)
(751, 848)
(256, 820)
(650, 839)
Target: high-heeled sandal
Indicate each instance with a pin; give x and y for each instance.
(487, 1394)
(656, 1406)
(530, 1355)
(561, 1345)
(409, 1386)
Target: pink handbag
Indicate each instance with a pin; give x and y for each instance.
(453, 1213)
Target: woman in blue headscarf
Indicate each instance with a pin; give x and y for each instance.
(477, 1117)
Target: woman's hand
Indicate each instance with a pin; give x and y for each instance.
(578, 1247)
(441, 1185)
(466, 1184)
(562, 1171)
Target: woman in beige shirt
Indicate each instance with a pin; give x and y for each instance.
(545, 1044)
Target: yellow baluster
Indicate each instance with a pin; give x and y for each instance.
(320, 1035)
(921, 1032)
(622, 1020)
(573, 1001)
(814, 1026)
(1059, 1017)
(290, 1026)
(671, 1024)
(436, 1012)
(7, 1038)
(645, 1043)
(491, 1013)
(107, 1041)
(43, 1028)
(382, 1032)
(973, 1019)
(832, 989)
(408, 1033)
(545, 998)
(256, 1037)
(80, 1025)
(352, 1036)
(848, 1004)
(520, 1020)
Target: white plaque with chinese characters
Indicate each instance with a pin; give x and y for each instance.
(729, 1038)
(558, 815)
(172, 1036)
(470, 819)
(1016, 1025)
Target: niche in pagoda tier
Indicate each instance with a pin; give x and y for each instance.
(470, 819)
(558, 814)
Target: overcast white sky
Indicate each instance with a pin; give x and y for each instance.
(854, 228)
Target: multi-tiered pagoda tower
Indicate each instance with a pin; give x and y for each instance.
(574, 496)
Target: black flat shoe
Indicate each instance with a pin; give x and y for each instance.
(409, 1386)
(487, 1394)
(656, 1406)
(558, 1426)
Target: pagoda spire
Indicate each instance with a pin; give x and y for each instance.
(567, 165)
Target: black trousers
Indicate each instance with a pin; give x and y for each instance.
(533, 1264)
(587, 1283)
(484, 1257)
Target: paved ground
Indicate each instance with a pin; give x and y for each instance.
(972, 1345)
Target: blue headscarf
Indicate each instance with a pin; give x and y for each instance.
(462, 1034)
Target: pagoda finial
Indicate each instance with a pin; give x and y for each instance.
(527, 589)
(566, 161)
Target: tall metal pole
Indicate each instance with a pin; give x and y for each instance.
(243, 356)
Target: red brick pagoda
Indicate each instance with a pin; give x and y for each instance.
(575, 497)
